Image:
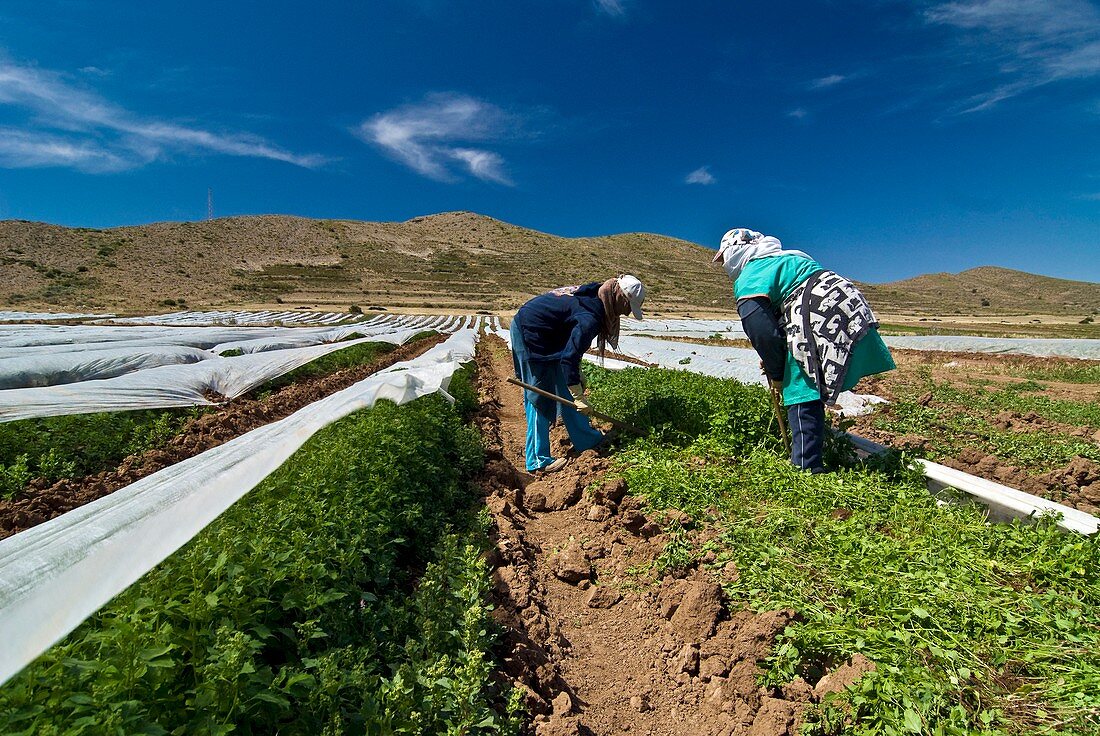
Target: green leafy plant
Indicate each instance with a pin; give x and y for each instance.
(974, 628)
(345, 594)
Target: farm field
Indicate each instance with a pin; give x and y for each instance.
(1030, 423)
(55, 464)
(400, 573)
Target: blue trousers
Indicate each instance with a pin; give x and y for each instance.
(541, 411)
(807, 423)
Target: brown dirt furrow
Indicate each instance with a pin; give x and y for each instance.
(44, 500)
(597, 641)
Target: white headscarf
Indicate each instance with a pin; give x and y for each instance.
(741, 245)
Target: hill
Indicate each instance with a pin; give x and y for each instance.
(451, 261)
(985, 290)
(456, 260)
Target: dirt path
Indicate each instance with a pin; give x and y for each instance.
(44, 500)
(601, 645)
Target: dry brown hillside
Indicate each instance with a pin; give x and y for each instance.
(985, 290)
(448, 261)
(451, 261)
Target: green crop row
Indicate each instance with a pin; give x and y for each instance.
(955, 418)
(345, 594)
(85, 444)
(1079, 371)
(80, 444)
(974, 628)
(349, 357)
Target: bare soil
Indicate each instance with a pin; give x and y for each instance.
(44, 500)
(597, 641)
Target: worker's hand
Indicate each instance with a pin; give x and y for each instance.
(576, 390)
(582, 406)
(775, 385)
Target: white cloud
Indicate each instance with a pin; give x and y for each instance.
(74, 127)
(825, 82)
(482, 164)
(799, 113)
(611, 7)
(1091, 197)
(1023, 44)
(21, 149)
(701, 175)
(432, 136)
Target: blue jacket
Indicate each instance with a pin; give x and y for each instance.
(561, 328)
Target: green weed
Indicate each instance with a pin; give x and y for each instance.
(974, 628)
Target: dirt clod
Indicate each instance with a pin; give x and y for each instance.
(602, 596)
(571, 564)
(698, 611)
(843, 676)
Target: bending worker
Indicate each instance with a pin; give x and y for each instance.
(550, 333)
(814, 331)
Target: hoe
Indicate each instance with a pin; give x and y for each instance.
(598, 415)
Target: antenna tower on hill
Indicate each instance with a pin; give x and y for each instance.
(210, 204)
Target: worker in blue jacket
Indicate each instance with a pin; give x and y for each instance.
(550, 333)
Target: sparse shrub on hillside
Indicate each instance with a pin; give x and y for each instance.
(355, 309)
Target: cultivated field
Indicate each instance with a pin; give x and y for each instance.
(400, 573)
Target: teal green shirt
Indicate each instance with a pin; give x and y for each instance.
(776, 278)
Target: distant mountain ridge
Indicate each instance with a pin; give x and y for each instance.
(986, 290)
(450, 261)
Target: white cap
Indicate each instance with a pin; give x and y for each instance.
(635, 292)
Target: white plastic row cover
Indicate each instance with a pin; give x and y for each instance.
(7, 316)
(1003, 501)
(88, 359)
(171, 385)
(55, 575)
(1042, 347)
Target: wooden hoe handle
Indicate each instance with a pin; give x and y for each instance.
(598, 415)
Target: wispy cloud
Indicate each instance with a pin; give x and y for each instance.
(614, 8)
(433, 137)
(799, 113)
(1091, 197)
(825, 82)
(701, 175)
(1022, 45)
(74, 127)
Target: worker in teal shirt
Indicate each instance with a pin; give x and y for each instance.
(815, 333)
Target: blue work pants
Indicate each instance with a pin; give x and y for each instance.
(807, 425)
(541, 411)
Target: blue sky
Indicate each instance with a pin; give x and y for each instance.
(886, 138)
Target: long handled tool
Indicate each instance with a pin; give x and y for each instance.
(776, 395)
(598, 415)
